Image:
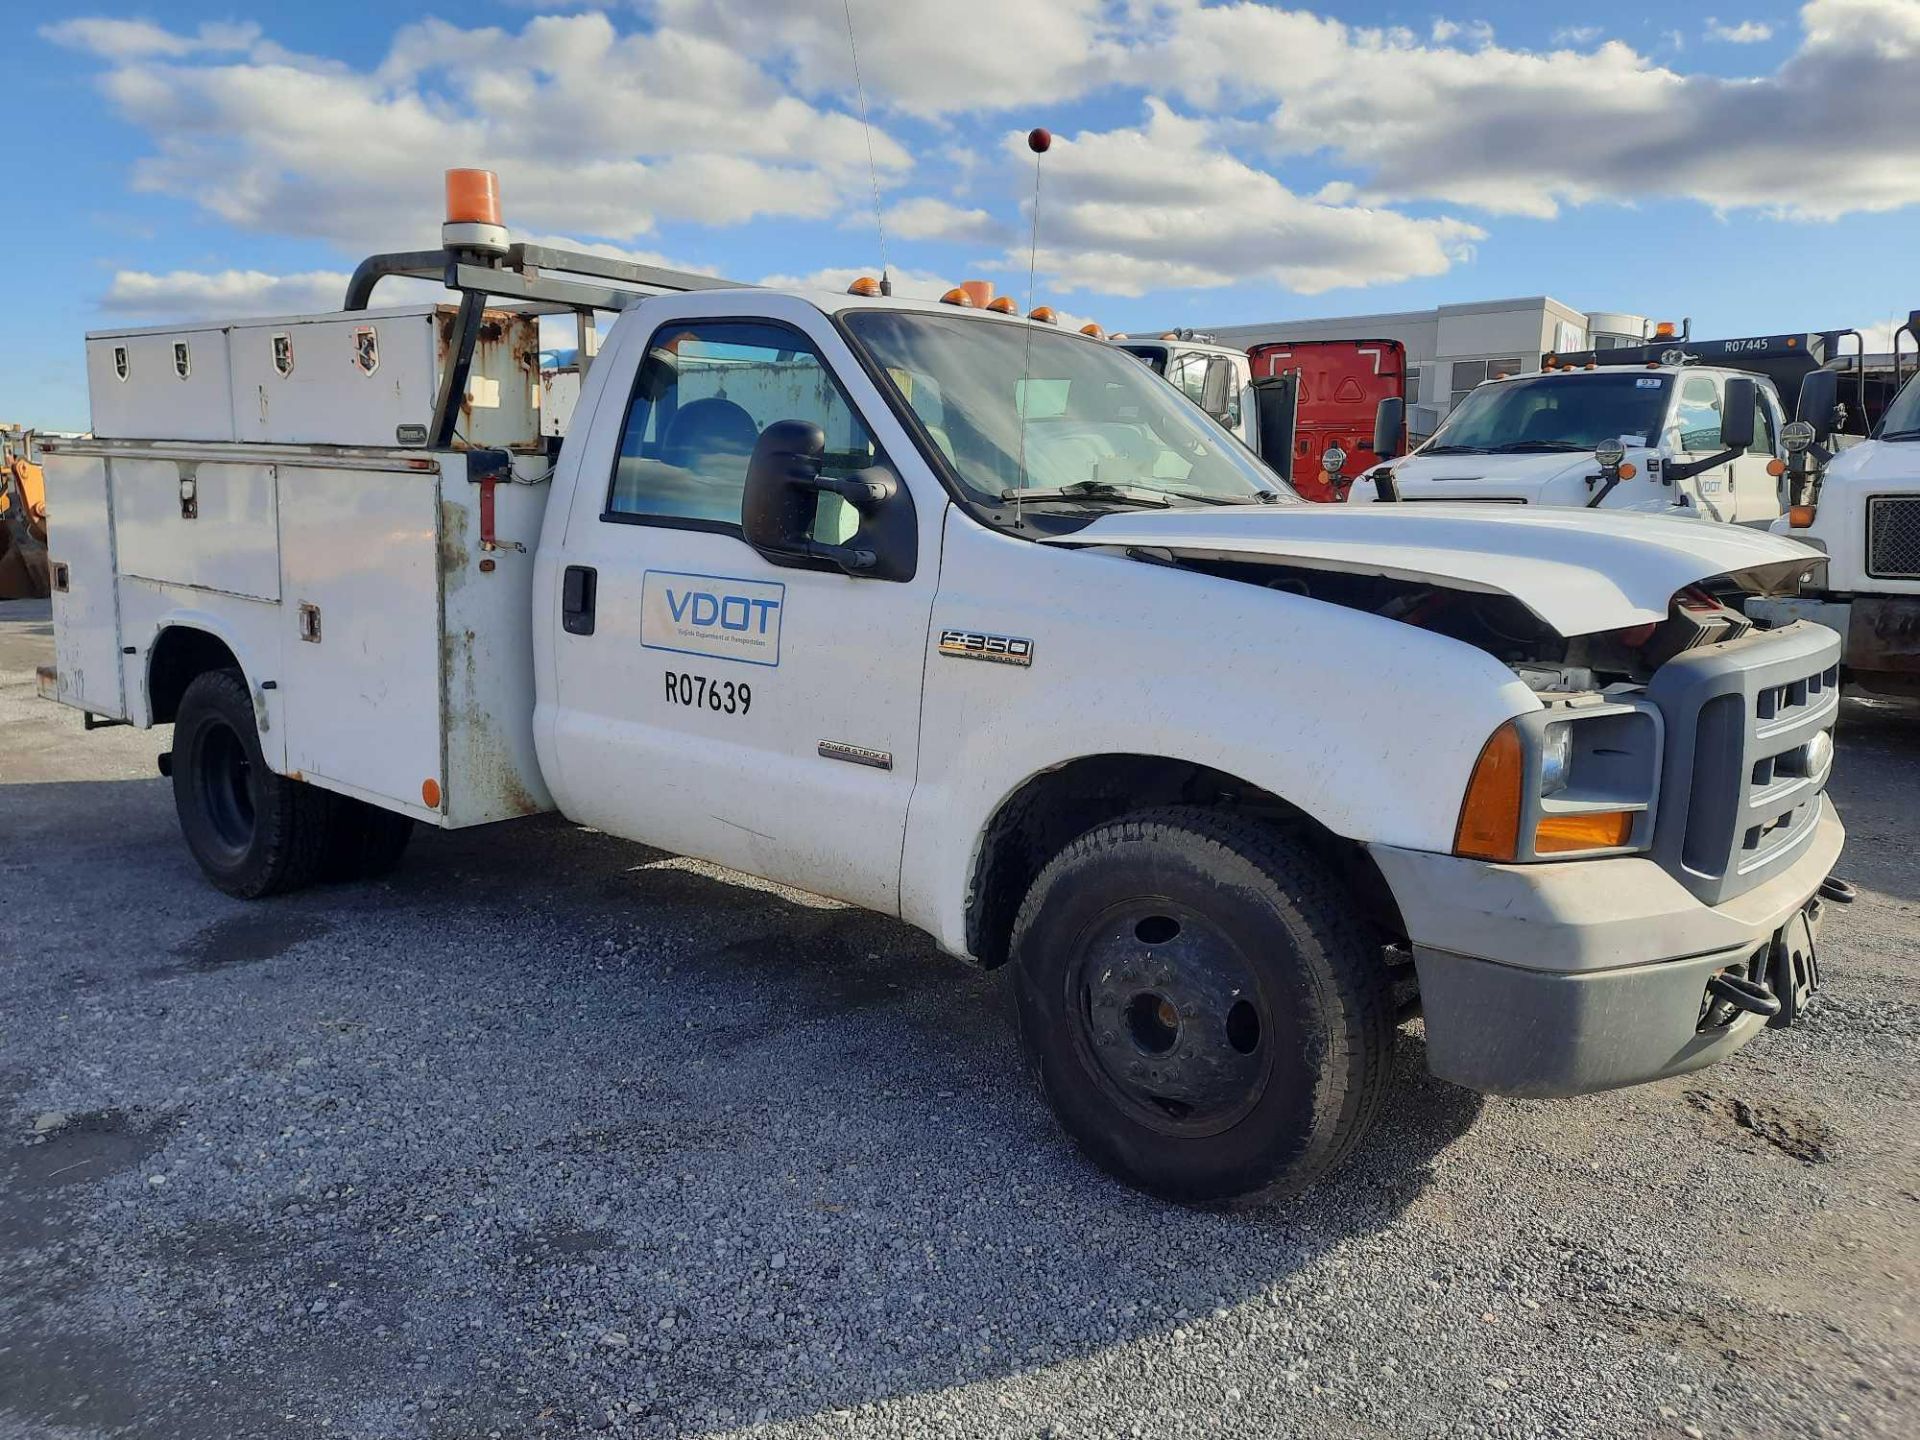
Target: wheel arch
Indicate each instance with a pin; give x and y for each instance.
(181, 653)
(1054, 807)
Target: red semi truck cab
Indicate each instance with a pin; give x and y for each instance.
(1341, 384)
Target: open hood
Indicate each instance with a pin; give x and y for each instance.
(1580, 571)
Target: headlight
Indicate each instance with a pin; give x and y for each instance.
(1544, 790)
(1556, 758)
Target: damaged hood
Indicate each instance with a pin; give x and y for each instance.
(1580, 571)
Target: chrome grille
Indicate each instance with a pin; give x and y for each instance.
(1893, 537)
(1745, 765)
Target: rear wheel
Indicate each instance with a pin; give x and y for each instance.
(253, 832)
(1208, 1020)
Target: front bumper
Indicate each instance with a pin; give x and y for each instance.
(1575, 976)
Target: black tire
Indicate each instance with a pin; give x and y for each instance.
(364, 842)
(1207, 1018)
(253, 832)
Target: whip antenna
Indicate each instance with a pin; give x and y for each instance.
(873, 172)
(1039, 141)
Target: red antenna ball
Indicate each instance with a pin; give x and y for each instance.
(1039, 141)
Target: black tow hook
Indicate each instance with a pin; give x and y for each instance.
(1841, 892)
(1743, 994)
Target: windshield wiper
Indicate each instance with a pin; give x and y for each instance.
(1093, 490)
(1542, 447)
(1453, 450)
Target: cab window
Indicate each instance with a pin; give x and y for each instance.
(1697, 414)
(705, 391)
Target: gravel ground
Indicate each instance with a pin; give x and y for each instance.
(552, 1135)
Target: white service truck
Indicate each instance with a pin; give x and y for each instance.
(1861, 508)
(1671, 439)
(955, 616)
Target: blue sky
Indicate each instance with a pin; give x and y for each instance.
(1754, 168)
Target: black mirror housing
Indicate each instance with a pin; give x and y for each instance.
(781, 498)
(1736, 413)
(1389, 427)
(1819, 396)
(1275, 400)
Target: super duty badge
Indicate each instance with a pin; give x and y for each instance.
(974, 645)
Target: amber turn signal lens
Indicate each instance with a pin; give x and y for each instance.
(473, 197)
(957, 296)
(1595, 830)
(1489, 826)
(1628, 470)
(865, 285)
(1800, 517)
(1776, 467)
(430, 793)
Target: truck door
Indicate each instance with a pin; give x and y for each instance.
(708, 700)
(1696, 413)
(1756, 493)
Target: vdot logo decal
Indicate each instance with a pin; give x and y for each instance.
(717, 615)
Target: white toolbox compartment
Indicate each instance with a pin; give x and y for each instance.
(340, 379)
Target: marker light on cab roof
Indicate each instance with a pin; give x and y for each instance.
(958, 296)
(1044, 314)
(865, 285)
(1090, 328)
(1003, 305)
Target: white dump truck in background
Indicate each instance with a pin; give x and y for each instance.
(1671, 439)
(1861, 508)
(814, 588)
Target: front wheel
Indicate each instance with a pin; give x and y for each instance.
(253, 832)
(1208, 1020)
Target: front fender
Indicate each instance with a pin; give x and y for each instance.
(1369, 726)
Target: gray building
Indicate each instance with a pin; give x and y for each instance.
(1453, 348)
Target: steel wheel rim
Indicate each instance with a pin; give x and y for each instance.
(1168, 1017)
(224, 776)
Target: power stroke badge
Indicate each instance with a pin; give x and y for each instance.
(717, 615)
(975, 645)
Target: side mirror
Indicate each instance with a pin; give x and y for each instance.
(1216, 385)
(1819, 396)
(1736, 414)
(1389, 427)
(1276, 403)
(781, 499)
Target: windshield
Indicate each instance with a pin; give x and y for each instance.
(1554, 413)
(1154, 355)
(1902, 420)
(1096, 420)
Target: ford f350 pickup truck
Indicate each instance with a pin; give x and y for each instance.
(946, 613)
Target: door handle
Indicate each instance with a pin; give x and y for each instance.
(577, 589)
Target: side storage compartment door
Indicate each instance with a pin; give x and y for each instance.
(360, 632)
(86, 615)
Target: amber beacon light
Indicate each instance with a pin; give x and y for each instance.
(473, 213)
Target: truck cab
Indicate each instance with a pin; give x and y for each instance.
(937, 610)
(1530, 439)
(1862, 510)
(1215, 377)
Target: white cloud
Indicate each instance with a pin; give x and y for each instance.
(224, 294)
(1128, 211)
(1745, 32)
(591, 130)
(137, 39)
(1473, 32)
(927, 218)
(1576, 35)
